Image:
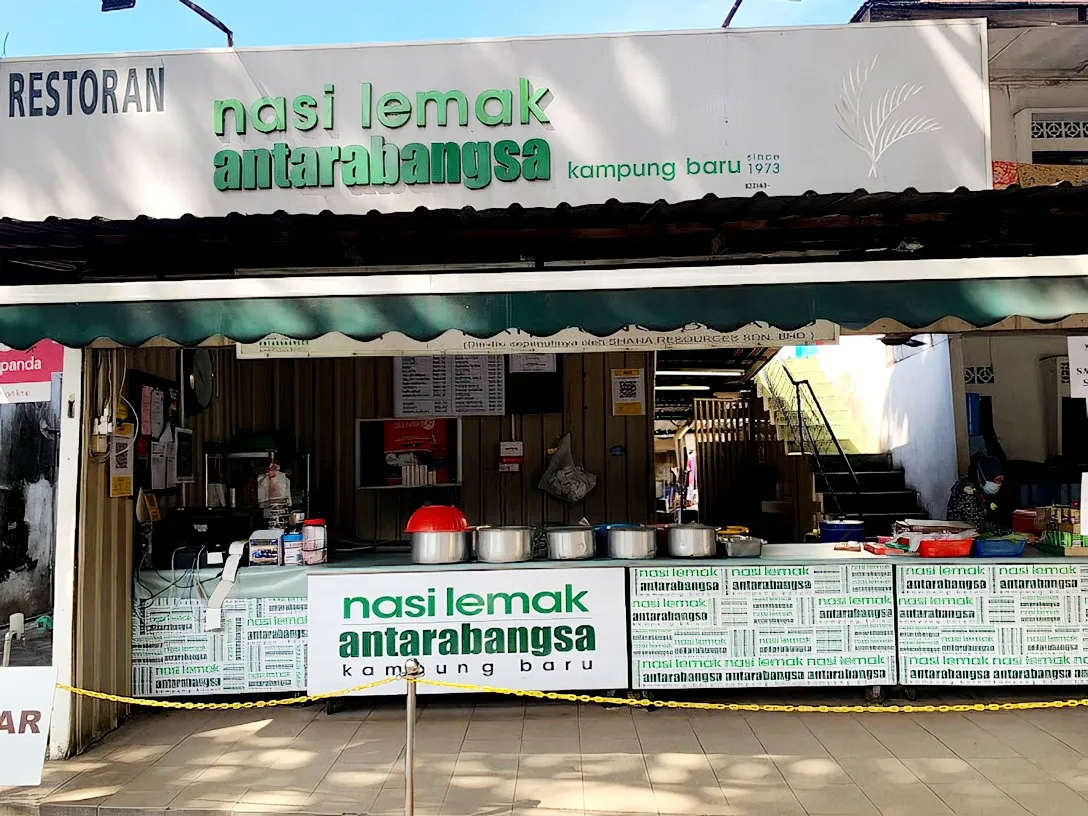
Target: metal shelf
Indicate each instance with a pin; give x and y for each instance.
(408, 487)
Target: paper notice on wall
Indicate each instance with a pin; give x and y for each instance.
(532, 363)
(1078, 366)
(628, 392)
(158, 466)
(145, 408)
(156, 413)
(121, 461)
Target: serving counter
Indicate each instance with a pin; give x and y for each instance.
(801, 615)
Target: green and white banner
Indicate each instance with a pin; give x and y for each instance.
(261, 647)
(522, 629)
(761, 626)
(993, 625)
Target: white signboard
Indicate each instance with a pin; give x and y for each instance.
(538, 122)
(26, 706)
(1078, 366)
(522, 629)
(762, 626)
(455, 385)
(570, 341)
(993, 625)
(260, 649)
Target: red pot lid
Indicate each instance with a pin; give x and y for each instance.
(437, 518)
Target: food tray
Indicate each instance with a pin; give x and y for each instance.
(945, 547)
(998, 547)
(743, 547)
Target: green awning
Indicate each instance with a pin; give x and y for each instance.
(915, 304)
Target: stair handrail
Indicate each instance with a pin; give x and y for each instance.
(816, 457)
(798, 385)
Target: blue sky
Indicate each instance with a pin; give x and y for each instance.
(37, 27)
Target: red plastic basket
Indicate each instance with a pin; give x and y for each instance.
(945, 548)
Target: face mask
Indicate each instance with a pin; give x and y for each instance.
(991, 488)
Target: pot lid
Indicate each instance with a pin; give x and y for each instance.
(437, 518)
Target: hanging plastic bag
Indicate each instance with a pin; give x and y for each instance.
(273, 486)
(563, 479)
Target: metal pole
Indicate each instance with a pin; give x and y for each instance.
(412, 669)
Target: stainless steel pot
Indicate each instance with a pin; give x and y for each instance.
(692, 541)
(632, 542)
(439, 548)
(504, 545)
(570, 543)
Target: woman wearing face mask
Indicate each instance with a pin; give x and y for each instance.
(974, 497)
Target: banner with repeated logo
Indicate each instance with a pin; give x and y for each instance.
(261, 647)
(993, 625)
(760, 626)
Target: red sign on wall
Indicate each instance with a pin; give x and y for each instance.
(27, 376)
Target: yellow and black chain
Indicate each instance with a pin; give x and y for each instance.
(590, 698)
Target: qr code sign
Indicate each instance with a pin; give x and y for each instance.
(628, 389)
(121, 449)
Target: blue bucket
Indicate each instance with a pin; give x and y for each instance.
(841, 530)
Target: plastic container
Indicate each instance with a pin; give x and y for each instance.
(1023, 521)
(841, 530)
(292, 550)
(437, 518)
(998, 547)
(945, 547)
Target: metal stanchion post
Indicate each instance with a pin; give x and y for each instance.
(412, 669)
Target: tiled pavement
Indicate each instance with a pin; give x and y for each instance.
(540, 759)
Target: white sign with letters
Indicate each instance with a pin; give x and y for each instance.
(1078, 366)
(26, 706)
(762, 626)
(1017, 624)
(537, 122)
(521, 629)
(569, 341)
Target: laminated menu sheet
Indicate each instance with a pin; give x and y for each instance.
(450, 385)
(993, 624)
(261, 647)
(760, 625)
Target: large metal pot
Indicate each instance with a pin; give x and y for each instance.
(632, 542)
(504, 545)
(570, 543)
(692, 541)
(439, 548)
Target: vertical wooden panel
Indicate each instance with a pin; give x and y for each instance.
(615, 482)
(532, 431)
(596, 405)
(472, 501)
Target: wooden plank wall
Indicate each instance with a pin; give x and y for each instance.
(319, 401)
(742, 463)
(104, 560)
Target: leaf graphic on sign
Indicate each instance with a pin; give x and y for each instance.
(870, 123)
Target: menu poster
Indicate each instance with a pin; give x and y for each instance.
(762, 626)
(993, 625)
(452, 385)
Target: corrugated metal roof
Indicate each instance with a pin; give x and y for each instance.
(1037, 220)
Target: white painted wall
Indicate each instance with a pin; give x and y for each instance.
(899, 400)
(1009, 98)
(1017, 390)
